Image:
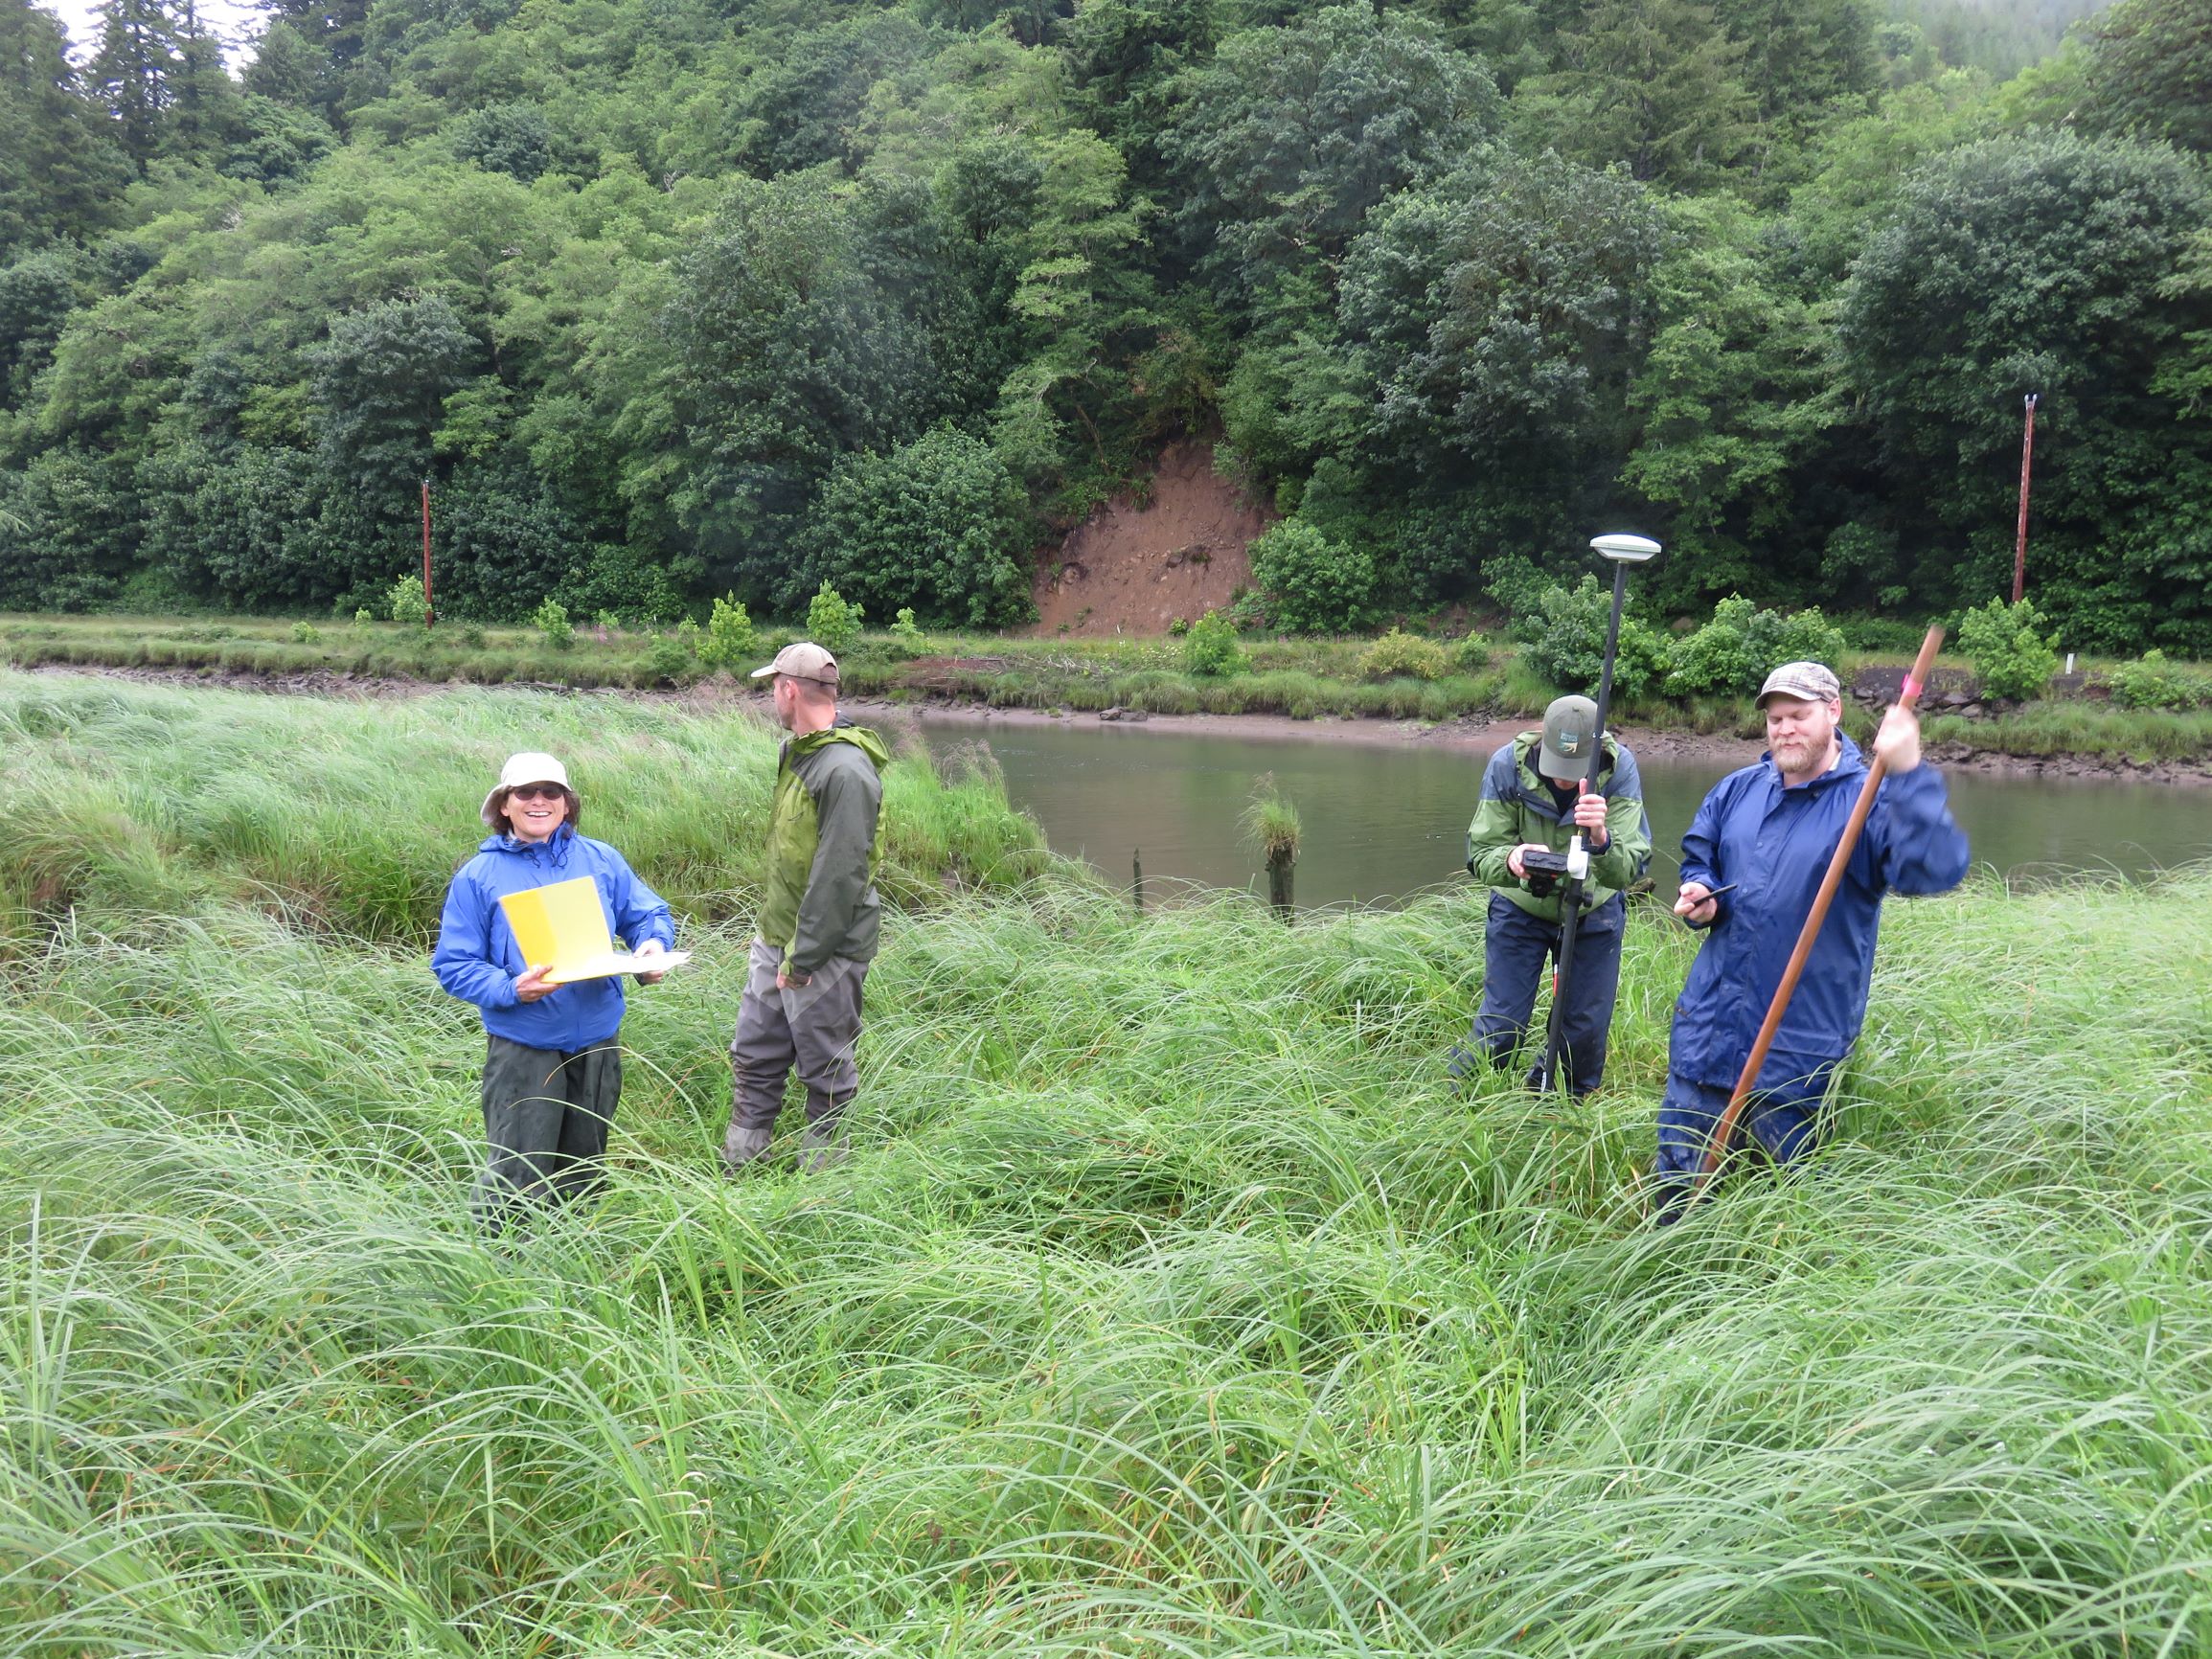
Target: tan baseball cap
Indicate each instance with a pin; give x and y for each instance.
(528, 768)
(1570, 734)
(1813, 682)
(804, 661)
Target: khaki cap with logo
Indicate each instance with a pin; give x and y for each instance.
(1570, 731)
(1809, 682)
(804, 661)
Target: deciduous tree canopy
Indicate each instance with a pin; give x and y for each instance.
(670, 299)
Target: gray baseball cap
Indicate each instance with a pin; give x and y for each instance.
(804, 661)
(1570, 734)
(1812, 682)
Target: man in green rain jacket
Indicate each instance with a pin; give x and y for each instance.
(819, 918)
(1531, 801)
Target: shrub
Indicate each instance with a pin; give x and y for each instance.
(666, 658)
(1516, 586)
(364, 618)
(1564, 636)
(1398, 653)
(904, 629)
(1735, 651)
(939, 524)
(731, 643)
(1719, 656)
(2155, 682)
(473, 636)
(687, 635)
(1803, 636)
(620, 581)
(831, 623)
(1313, 585)
(408, 605)
(2010, 653)
(1178, 626)
(1247, 612)
(306, 633)
(1210, 647)
(551, 619)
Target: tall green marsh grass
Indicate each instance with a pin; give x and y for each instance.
(1170, 1304)
(357, 811)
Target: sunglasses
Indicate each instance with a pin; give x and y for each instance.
(537, 792)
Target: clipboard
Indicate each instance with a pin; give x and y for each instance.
(563, 926)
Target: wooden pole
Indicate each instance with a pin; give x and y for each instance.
(429, 611)
(1280, 864)
(1725, 1131)
(2020, 536)
(1137, 871)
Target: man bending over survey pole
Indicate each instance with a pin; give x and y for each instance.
(1532, 806)
(819, 918)
(1752, 862)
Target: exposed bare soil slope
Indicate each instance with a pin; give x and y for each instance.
(1133, 570)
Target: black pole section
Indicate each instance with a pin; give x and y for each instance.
(1606, 672)
(1571, 890)
(1280, 880)
(1137, 871)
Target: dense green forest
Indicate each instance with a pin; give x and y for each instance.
(669, 298)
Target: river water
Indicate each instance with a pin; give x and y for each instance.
(1382, 821)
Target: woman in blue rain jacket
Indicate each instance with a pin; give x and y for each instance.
(552, 1068)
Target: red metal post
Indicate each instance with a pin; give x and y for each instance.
(430, 613)
(2020, 539)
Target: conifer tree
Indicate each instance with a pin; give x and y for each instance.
(58, 164)
(135, 71)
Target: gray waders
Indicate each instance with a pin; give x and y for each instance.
(811, 1030)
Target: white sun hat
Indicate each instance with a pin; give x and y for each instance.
(528, 768)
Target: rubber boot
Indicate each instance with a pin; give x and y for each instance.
(742, 1147)
(820, 1150)
(1670, 1202)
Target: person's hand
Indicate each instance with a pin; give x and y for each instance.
(787, 980)
(532, 987)
(1695, 904)
(651, 947)
(1590, 820)
(1896, 746)
(1513, 859)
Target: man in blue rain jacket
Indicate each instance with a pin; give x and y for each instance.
(1768, 831)
(552, 1067)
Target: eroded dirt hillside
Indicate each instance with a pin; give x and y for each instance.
(1133, 570)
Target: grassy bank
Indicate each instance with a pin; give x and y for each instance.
(353, 815)
(1304, 679)
(1170, 1304)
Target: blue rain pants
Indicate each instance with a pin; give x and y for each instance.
(1785, 1120)
(1516, 946)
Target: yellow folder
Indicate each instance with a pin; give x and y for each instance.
(563, 926)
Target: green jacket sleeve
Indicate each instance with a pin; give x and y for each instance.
(1490, 842)
(1495, 830)
(1628, 852)
(836, 886)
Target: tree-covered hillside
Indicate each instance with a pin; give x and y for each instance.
(671, 297)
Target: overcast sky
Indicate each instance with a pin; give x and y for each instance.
(232, 19)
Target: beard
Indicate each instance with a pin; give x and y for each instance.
(1797, 754)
